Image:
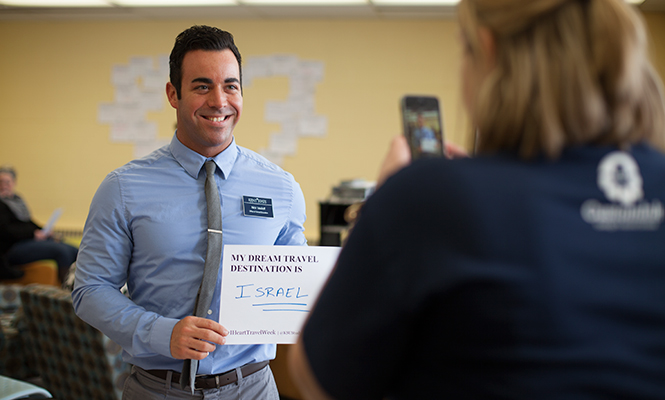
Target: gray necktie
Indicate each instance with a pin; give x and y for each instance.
(213, 259)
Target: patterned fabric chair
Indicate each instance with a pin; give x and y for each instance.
(74, 360)
(15, 362)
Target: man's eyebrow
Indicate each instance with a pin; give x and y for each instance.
(202, 80)
(210, 82)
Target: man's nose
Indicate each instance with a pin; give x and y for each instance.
(217, 98)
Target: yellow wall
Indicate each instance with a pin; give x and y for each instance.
(656, 25)
(54, 75)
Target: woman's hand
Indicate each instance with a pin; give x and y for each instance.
(454, 151)
(399, 156)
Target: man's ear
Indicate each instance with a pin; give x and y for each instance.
(172, 95)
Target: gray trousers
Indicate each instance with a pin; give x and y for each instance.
(258, 386)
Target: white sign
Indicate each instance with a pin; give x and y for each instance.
(267, 291)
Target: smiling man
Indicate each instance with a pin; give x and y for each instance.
(208, 102)
(147, 227)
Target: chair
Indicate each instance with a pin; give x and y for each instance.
(74, 360)
(15, 361)
(42, 271)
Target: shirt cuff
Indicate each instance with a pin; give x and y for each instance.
(160, 336)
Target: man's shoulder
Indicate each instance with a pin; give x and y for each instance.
(159, 158)
(256, 162)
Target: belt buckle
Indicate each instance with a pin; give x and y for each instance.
(196, 378)
(217, 386)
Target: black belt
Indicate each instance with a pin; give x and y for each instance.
(211, 381)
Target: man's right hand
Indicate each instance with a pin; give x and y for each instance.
(194, 337)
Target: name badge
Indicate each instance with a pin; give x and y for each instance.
(257, 207)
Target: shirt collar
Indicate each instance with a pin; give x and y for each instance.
(192, 162)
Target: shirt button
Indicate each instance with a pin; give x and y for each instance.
(209, 312)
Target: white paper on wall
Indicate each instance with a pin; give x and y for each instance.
(138, 89)
(296, 114)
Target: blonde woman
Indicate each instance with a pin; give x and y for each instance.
(535, 270)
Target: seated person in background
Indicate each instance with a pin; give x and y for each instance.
(21, 240)
(535, 270)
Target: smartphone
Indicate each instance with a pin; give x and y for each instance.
(421, 118)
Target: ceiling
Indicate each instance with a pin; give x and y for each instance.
(368, 11)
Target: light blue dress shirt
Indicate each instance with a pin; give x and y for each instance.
(147, 227)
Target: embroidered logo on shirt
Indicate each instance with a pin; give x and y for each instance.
(257, 207)
(620, 180)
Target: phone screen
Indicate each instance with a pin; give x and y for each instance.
(422, 126)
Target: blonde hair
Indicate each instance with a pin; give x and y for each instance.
(568, 72)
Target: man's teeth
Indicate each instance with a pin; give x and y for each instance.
(216, 119)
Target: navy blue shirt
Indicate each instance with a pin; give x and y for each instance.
(500, 278)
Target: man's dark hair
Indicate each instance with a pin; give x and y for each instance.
(199, 37)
